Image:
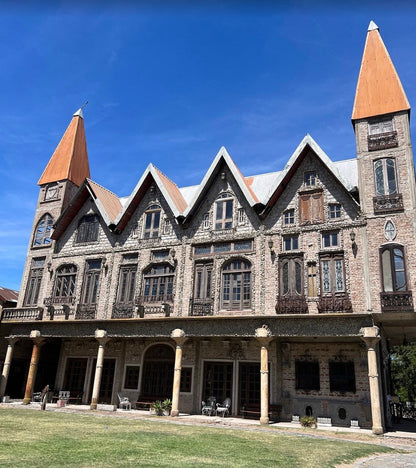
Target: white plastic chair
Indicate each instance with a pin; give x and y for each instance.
(124, 402)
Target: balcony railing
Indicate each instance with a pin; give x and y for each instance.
(201, 307)
(86, 312)
(48, 301)
(388, 203)
(124, 310)
(396, 301)
(25, 314)
(291, 305)
(154, 305)
(382, 141)
(334, 304)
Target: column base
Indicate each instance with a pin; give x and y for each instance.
(264, 421)
(93, 406)
(174, 413)
(26, 401)
(377, 430)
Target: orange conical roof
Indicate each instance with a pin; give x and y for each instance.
(70, 159)
(379, 90)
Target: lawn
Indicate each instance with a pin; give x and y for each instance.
(30, 438)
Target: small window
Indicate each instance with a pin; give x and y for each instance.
(131, 377)
(334, 210)
(43, 231)
(167, 229)
(152, 222)
(385, 176)
(160, 254)
(330, 239)
(310, 178)
(342, 376)
(290, 243)
(241, 216)
(307, 375)
(205, 222)
(224, 211)
(88, 229)
(186, 380)
(289, 217)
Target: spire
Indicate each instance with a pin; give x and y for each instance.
(379, 90)
(70, 159)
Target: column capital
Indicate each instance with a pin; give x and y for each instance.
(101, 336)
(370, 336)
(12, 339)
(178, 336)
(263, 335)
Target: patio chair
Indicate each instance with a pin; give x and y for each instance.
(224, 409)
(210, 407)
(124, 402)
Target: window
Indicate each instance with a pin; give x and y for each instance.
(126, 284)
(385, 176)
(203, 279)
(186, 380)
(88, 229)
(312, 283)
(160, 254)
(241, 216)
(290, 243)
(289, 217)
(330, 239)
(158, 283)
(334, 210)
(206, 222)
(311, 208)
(91, 282)
(65, 282)
(52, 192)
(167, 227)
(380, 126)
(393, 265)
(307, 375)
(223, 247)
(291, 276)
(236, 285)
(131, 377)
(310, 178)
(224, 211)
(152, 222)
(33, 284)
(332, 274)
(43, 231)
(341, 376)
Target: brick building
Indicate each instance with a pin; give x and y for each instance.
(282, 291)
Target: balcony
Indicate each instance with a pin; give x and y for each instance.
(334, 304)
(50, 301)
(382, 141)
(388, 203)
(125, 310)
(291, 305)
(86, 312)
(201, 307)
(396, 301)
(28, 314)
(154, 305)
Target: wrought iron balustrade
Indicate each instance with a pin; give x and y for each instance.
(48, 301)
(396, 301)
(291, 305)
(334, 304)
(388, 203)
(201, 307)
(23, 314)
(124, 310)
(154, 305)
(86, 312)
(382, 141)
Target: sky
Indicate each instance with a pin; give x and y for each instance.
(172, 82)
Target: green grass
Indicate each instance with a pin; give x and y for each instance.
(33, 439)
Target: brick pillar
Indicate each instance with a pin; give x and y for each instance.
(179, 336)
(264, 338)
(101, 336)
(6, 365)
(33, 368)
(371, 338)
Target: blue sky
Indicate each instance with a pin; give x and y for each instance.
(172, 82)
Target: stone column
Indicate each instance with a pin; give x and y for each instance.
(33, 368)
(101, 336)
(179, 336)
(371, 337)
(6, 366)
(264, 338)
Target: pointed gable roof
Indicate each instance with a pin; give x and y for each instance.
(379, 90)
(70, 159)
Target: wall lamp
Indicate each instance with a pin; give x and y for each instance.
(270, 243)
(353, 243)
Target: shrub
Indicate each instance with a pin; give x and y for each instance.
(308, 421)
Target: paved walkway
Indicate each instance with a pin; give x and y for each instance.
(403, 436)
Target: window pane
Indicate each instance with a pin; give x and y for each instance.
(387, 276)
(339, 276)
(298, 278)
(285, 278)
(391, 176)
(399, 270)
(378, 165)
(326, 281)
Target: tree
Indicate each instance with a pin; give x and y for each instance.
(403, 371)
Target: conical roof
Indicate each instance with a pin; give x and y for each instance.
(70, 159)
(379, 90)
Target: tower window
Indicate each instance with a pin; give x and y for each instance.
(385, 176)
(43, 231)
(393, 265)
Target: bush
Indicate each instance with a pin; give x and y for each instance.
(162, 407)
(308, 421)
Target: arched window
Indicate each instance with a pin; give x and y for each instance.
(152, 222)
(43, 231)
(158, 283)
(291, 276)
(393, 265)
(88, 228)
(236, 285)
(65, 282)
(157, 377)
(385, 176)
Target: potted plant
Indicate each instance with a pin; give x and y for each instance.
(157, 407)
(167, 406)
(308, 421)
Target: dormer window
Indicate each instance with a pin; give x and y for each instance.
(224, 211)
(88, 229)
(310, 179)
(152, 222)
(289, 217)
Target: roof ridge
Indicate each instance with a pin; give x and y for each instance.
(104, 188)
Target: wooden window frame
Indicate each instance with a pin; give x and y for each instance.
(127, 283)
(89, 293)
(385, 170)
(203, 281)
(34, 282)
(311, 207)
(88, 228)
(158, 284)
(236, 285)
(330, 265)
(152, 221)
(224, 211)
(65, 281)
(291, 276)
(289, 217)
(388, 254)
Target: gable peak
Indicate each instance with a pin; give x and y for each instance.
(372, 26)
